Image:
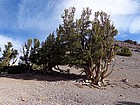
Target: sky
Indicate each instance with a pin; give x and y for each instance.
(24, 19)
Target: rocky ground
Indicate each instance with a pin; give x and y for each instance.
(30, 89)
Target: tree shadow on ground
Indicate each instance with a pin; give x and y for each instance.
(126, 103)
(39, 76)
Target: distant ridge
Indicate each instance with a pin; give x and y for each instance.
(133, 45)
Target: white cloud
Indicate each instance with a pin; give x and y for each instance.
(5, 39)
(16, 44)
(122, 11)
(135, 25)
(122, 22)
(44, 16)
(116, 7)
(38, 16)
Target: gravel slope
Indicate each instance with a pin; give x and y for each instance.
(123, 88)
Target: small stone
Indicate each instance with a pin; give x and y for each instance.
(22, 99)
(125, 80)
(137, 85)
(80, 81)
(88, 81)
(108, 83)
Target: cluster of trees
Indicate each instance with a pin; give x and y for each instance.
(131, 42)
(84, 43)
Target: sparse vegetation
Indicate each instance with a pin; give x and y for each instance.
(84, 43)
(125, 51)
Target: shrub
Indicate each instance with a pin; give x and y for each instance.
(125, 52)
(14, 69)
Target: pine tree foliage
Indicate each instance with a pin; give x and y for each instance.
(9, 55)
(30, 52)
(47, 52)
(34, 55)
(89, 43)
(26, 50)
(52, 52)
